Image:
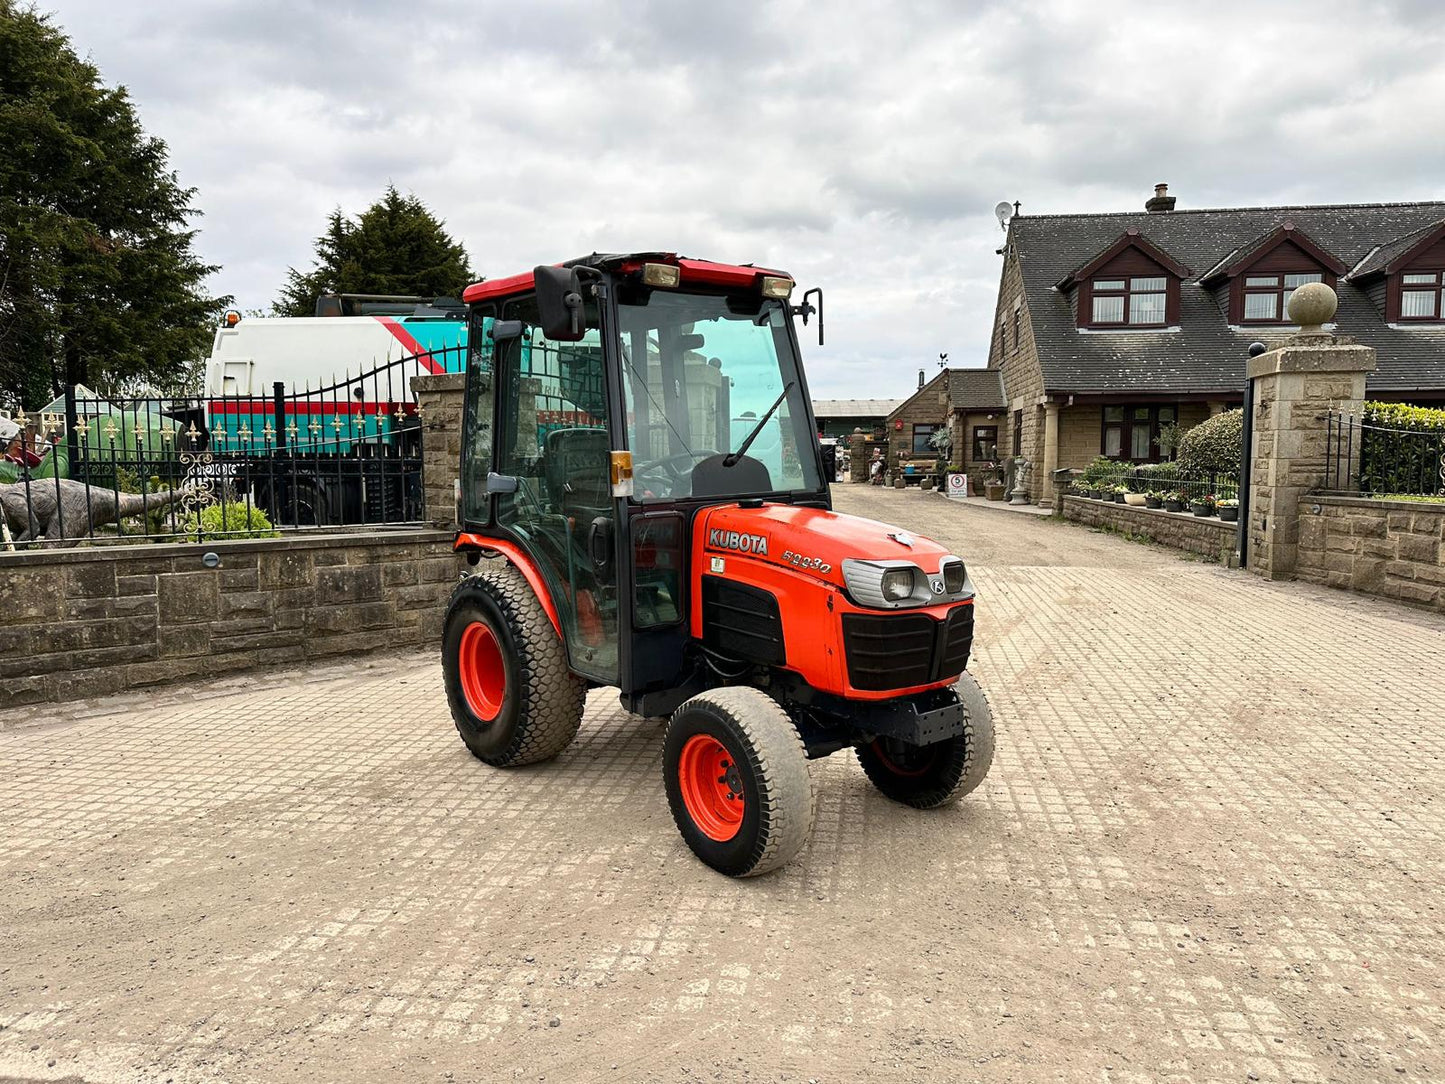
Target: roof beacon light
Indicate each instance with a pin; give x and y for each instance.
(777, 286)
(661, 274)
(232, 317)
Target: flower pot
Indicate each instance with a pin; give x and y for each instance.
(1229, 515)
(1173, 506)
(1097, 494)
(994, 491)
(1119, 498)
(1200, 509)
(1136, 499)
(1153, 502)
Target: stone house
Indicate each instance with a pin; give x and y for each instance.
(1111, 326)
(969, 403)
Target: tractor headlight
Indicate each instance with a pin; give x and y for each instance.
(897, 584)
(955, 575)
(885, 585)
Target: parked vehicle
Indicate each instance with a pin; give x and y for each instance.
(641, 472)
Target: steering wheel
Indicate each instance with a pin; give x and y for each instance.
(671, 469)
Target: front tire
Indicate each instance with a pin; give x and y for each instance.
(512, 695)
(930, 776)
(737, 781)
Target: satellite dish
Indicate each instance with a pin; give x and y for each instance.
(1003, 212)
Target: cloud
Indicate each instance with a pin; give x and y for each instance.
(861, 146)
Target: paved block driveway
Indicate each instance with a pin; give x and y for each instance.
(1210, 850)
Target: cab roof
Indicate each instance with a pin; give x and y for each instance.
(696, 272)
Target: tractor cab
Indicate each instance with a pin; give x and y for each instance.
(640, 461)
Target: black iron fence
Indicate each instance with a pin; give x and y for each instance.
(233, 463)
(1378, 460)
(1161, 485)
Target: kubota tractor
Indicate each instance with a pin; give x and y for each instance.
(640, 464)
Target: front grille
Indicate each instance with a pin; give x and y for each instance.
(896, 651)
(742, 621)
(957, 642)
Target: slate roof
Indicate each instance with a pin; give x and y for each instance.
(1376, 260)
(854, 408)
(976, 389)
(1205, 354)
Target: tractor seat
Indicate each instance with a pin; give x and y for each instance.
(577, 463)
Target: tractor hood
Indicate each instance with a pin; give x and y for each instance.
(811, 539)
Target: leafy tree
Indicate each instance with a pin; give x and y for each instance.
(395, 246)
(98, 281)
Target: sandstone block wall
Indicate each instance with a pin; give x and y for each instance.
(1395, 549)
(98, 620)
(1208, 537)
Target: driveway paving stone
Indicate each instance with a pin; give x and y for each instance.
(1210, 850)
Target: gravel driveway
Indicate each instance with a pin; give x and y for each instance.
(1210, 850)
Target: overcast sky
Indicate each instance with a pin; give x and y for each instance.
(860, 146)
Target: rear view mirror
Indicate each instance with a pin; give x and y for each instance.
(559, 303)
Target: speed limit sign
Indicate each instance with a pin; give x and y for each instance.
(958, 485)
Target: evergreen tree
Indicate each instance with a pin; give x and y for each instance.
(396, 246)
(98, 281)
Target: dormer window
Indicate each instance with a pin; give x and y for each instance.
(1139, 302)
(1422, 295)
(1130, 284)
(1266, 297)
(1263, 274)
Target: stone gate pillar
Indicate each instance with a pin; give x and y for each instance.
(1295, 388)
(440, 400)
(857, 456)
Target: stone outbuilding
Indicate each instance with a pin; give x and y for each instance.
(968, 403)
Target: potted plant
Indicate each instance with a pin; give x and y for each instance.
(1204, 506)
(1154, 499)
(1174, 501)
(1120, 492)
(1228, 511)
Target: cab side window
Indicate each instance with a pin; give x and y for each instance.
(477, 422)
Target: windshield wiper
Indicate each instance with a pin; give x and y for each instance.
(733, 457)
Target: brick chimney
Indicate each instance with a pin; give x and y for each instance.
(1162, 202)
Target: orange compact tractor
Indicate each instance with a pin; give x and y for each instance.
(640, 463)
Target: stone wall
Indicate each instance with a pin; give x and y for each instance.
(1206, 536)
(1023, 379)
(440, 399)
(1379, 547)
(86, 622)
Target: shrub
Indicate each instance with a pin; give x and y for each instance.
(1099, 470)
(1406, 460)
(232, 519)
(1215, 447)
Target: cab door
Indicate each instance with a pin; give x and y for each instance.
(553, 453)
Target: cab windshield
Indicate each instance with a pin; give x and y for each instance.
(700, 374)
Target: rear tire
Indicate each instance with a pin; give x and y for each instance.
(930, 776)
(512, 696)
(738, 782)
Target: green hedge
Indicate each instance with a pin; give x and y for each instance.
(1214, 446)
(1400, 448)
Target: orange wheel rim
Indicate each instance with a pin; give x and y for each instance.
(483, 674)
(712, 787)
(900, 765)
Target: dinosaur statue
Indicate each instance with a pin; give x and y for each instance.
(69, 510)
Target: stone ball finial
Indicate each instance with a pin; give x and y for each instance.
(1311, 305)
